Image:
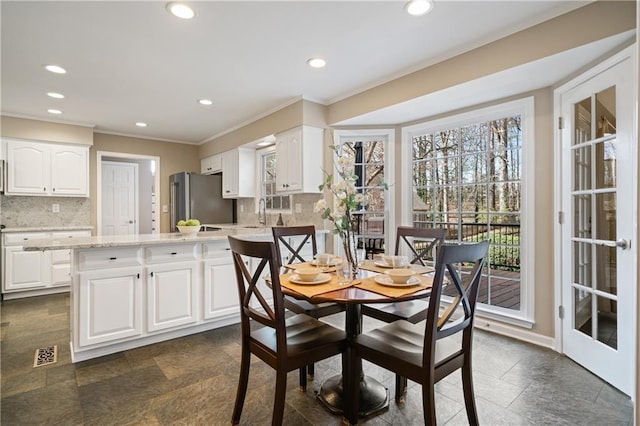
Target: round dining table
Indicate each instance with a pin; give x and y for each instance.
(373, 396)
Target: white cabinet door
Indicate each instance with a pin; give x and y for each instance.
(28, 168)
(25, 270)
(172, 294)
(211, 165)
(220, 288)
(69, 170)
(230, 174)
(238, 173)
(110, 305)
(289, 161)
(299, 159)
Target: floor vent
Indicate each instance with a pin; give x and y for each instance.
(45, 356)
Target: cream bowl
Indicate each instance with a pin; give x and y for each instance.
(395, 261)
(189, 230)
(400, 276)
(308, 274)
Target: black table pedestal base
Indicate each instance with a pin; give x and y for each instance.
(374, 397)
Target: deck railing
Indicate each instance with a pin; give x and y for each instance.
(504, 252)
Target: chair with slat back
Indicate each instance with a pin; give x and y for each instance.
(285, 344)
(282, 236)
(431, 350)
(421, 243)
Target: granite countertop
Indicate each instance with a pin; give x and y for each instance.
(47, 229)
(106, 241)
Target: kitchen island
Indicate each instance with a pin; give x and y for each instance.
(131, 291)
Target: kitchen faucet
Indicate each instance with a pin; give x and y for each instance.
(262, 211)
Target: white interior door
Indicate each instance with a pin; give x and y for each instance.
(119, 198)
(599, 183)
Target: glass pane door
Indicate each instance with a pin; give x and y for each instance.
(598, 261)
(594, 212)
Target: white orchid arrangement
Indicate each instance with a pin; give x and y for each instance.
(346, 201)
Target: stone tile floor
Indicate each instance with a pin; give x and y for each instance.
(192, 381)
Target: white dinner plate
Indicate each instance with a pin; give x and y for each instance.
(382, 264)
(386, 280)
(320, 279)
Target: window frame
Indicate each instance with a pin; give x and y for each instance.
(525, 108)
(341, 136)
(260, 157)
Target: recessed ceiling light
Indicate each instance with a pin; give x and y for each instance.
(180, 10)
(418, 7)
(141, 124)
(316, 62)
(55, 95)
(54, 111)
(55, 69)
(206, 102)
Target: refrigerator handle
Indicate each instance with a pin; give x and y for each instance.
(174, 206)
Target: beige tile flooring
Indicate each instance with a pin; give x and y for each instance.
(192, 381)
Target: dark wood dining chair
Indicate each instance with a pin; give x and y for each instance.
(422, 244)
(285, 344)
(281, 237)
(429, 351)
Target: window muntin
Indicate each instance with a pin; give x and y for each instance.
(274, 202)
(368, 154)
(467, 177)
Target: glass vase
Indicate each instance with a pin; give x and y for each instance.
(350, 248)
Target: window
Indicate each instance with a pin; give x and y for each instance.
(274, 202)
(467, 176)
(369, 151)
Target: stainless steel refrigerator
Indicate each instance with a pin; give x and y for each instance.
(195, 196)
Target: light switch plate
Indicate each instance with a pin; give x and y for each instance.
(55, 208)
(298, 207)
(165, 208)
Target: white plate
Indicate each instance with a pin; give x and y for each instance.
(320, 279)
(386, 280)
(382, 264)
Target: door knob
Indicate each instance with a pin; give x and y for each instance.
(130, 221)
(621, 243)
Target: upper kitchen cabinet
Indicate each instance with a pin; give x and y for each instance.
(238, 173)
(43, 169)
(211, 165)
(299, 160)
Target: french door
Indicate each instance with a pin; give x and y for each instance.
(598, 193)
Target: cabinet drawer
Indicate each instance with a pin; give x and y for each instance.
(21, 237)
(70, 234)
(172, 253)
(100, 259)
(216, 249)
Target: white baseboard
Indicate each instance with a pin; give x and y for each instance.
(515, 332)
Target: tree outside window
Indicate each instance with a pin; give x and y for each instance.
(468, 180)
(368, 157)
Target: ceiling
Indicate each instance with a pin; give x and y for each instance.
(133, 61)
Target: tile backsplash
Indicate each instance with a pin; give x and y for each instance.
(18, 211)
(247, 212)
